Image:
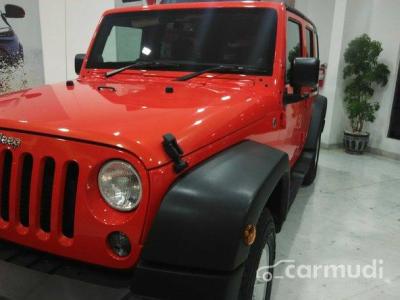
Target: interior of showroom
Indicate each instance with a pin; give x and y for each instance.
(346, 214)
(338, 22)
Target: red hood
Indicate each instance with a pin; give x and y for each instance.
(137, 114)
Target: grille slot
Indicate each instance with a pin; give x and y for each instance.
(5, 185)
(39, 191)
(25, 188)
(46, 196)
(71, 185)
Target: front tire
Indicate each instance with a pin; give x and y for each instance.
(261, 256)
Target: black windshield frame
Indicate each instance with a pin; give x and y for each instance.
(265, 35)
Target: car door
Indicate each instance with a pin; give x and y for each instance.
(293, 138)
(311, 48)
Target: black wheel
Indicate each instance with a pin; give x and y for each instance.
(312, 172)
(257, 276)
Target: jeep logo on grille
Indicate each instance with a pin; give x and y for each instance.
(10, 141)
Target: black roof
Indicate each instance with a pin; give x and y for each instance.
(300, 14)
(289, 8)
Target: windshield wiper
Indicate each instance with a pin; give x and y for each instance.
(140, 64)
(217, 68)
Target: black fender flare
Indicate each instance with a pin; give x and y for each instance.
(201, 220)
(317, 124)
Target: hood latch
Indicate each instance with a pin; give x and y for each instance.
(174, 151)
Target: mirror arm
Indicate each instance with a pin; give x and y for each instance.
(294, 98)
(3, 16)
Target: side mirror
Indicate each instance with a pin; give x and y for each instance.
(14, 11)
(304, 72)
(79, 58)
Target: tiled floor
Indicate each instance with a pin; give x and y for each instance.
(350, 216)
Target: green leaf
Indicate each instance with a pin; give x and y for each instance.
(362, 72)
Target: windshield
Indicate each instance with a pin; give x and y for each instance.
(194, 39)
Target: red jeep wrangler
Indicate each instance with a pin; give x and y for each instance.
(172, 161)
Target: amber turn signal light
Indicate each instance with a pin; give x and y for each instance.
(250, 234)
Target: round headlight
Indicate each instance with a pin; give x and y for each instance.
(120, 185)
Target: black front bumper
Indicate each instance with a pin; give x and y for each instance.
(55, 265)
(148, 281)
(166, 282)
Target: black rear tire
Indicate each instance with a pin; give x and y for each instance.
(265, 236)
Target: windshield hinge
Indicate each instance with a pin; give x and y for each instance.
(174, 151)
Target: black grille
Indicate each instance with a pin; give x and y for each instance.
(5, 168)
(69, 199)
(32, 200)
(26, 177)
(47, 193)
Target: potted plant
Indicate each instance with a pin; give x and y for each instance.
(363, 74)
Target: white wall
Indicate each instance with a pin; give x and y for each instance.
(328, 17)
(67, 29)
(321, 13)
(28, 32)
(52, 22)
(82, 18)
(379, 19)
(338, 22)
(384, 26)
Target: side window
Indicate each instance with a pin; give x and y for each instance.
(310, 43)
(293, 44)
(123, 44)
